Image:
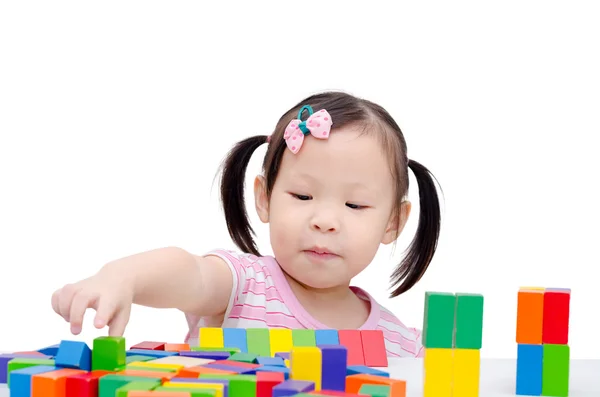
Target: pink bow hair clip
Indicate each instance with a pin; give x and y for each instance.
(318, 125)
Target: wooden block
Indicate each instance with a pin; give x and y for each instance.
(555, 370)
(84, 385)
(438, 320)
(258, 341)
(266, 381)
(20, 379)
(375, 390)
(292, 387)
(52, 384)
(211, 337)
(529, 369)
(240, 364)
(374, 350)
(556, 316)
(239, 385)
(144, 352)
(280, 340)
(466, 372)
(139, 385)
(177, 347)
(23, 362)
(218, 388)
(235, 337)
(355, 382)
(352, 340)
(327, 337)
(181, 361)
(530, 316)
(285, 371)
(195, 372)
(469, 321)
(303, 338)
(148, 345)
(149, 373)
(364, 369)
(108, 353)
(212, 355)
(306, 364)
(162, 393)
(335, 358)
(243, 357)
(270, 361)
(437, 374)
(154, 364)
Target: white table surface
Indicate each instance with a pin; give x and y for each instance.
(497, 377)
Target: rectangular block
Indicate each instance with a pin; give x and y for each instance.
(303, 338)
(530, 316)
(266, 381)
(217, 388)
(375, 390)
(326, 337)
(258, 341)
(556, 316)
(306, 364)
(466, 372)
(235, 337)
(243, 357)
(177, 347)
(146, 352)
(52, 384)
(149, 345)
(352, 340)
(271, 361)
(355, 382)
(374, 351)
(555, 370)
(438, 372)
(140, 385)
(280, 340)
(438, 320)
(292, 387)
(468, 321)
(74, 354)
(529, 369)
(211, 337)
(84, 385)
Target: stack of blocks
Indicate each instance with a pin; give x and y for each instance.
(300, 366)
(452, 339)
(543, 341)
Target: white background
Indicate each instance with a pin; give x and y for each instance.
(106, 109)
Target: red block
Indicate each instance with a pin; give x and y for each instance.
(373, 346)
(352, 340)
(265, 381)
(84, 385)
(149, 346)
(555, 329)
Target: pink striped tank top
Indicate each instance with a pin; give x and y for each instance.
(262, 298)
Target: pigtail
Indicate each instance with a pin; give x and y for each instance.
(424, 244)
(232, 192)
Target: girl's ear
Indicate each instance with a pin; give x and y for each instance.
(395, 224)
(260, 198)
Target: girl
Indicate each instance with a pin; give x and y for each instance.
(333, 188)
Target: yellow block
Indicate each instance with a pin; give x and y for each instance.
(280, 340)
(467, 364)
(306, 364)
(211, 337)
(151, 364)
(218, 387)
(437, 373)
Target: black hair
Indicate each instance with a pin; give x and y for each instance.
(346, 110)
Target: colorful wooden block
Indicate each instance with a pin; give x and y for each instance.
(74, 354)
(529, 369)
(280, 340)
(363, 369)
(266, 381)
(303, 337)
(21, 362)
(466, 372)
(292, 387)
(306, 364)
(211, 337)
(438, 372)
(438, 320)
(469, 321)
(556, 316)
(530, 316)
(5, 358)
(355, 382)
(148, 345)
(327, 337)
(108, 353)
(555, 370)
(140, 385)
(352, 340)
(374, 351)
(20, 379)
(375, 390)
(244, 357)
(53, 383)
(235, 337)
(176, 347)
(334, 364)
(258, 341)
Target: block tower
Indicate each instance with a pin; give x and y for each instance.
(452, 338)
(543, 353)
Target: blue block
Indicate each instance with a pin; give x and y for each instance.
(74, 354)
(334, 359)
(529, 369)
(363, 369)
(273, 368)
(235, 337)
(292, 387)
(150, 353)
(49, 350)
(327, 337)
(20, 379)
(271, 361)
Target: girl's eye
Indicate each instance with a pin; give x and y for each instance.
(301, 197)
(354, 206)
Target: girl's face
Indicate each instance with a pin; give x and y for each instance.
(331, 208)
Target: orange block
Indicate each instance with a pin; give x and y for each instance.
(530, 315)
(159, 393)
(354, 383)
(52, 384)
(194, 372)
(177, 347)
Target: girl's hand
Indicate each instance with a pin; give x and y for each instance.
(108, 293)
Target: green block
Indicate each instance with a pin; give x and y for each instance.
(438, 320)
(239, 385)
(194, 391)
(303, 337)
(555, 370)
(141, 385)
(109, 384)
(20, 363)
(108, 353)
(375, 390)
(230, 350)
(132, 359)
(258, 341)
(244, 357)
(469, 321)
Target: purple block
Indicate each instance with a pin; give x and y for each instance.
(5, 358)
(292, 387)
(284, 355)
(224, 382)
(334, 370)
(206, 354)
